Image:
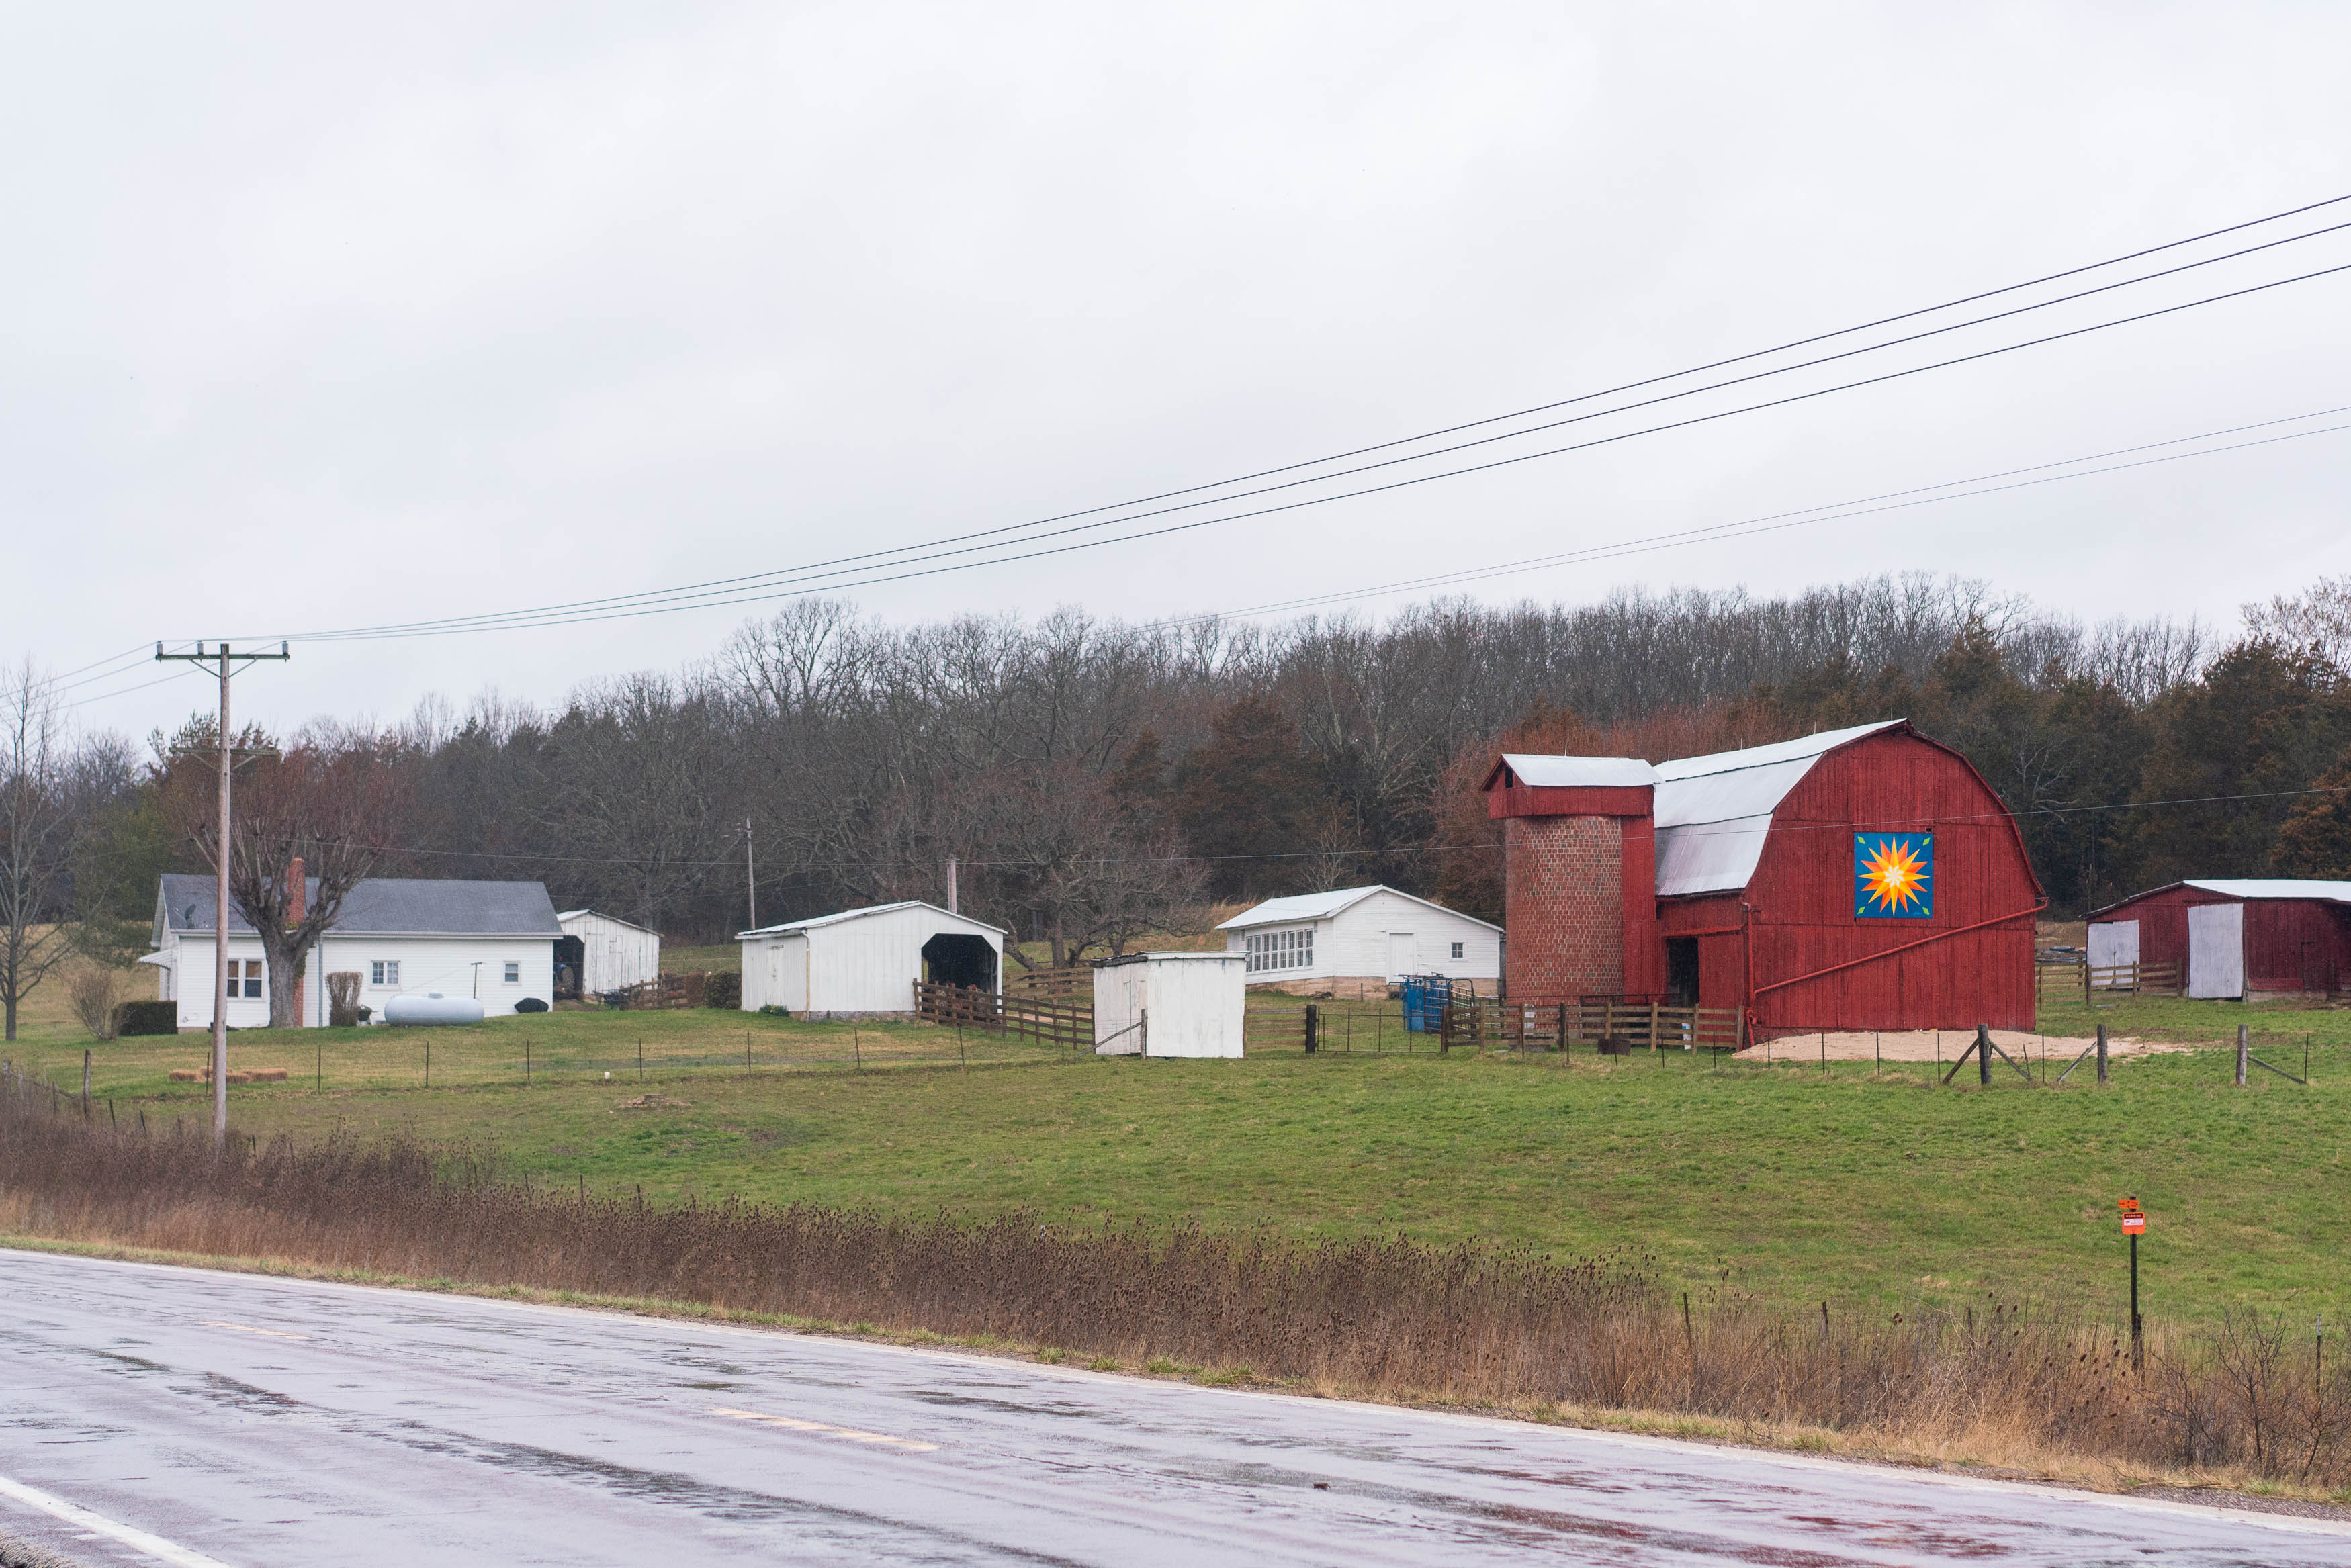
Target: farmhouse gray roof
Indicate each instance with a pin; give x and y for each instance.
(390, 906)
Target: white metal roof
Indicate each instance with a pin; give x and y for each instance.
(1714, 813)
(1323, 906)
(1171, 958)
(1579, 772)
(2274, 888)
(561, 915)
(839, 915)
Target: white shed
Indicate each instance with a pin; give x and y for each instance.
(868, 960)
(610, 954)
(1360, 936)
(1170, 1004)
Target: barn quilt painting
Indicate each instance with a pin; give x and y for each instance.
(1893, 875)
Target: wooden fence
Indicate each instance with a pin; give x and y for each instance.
(1047, 1019)
(1562, 1026)
(667, 991)
(1070, 980)
(2062, 981)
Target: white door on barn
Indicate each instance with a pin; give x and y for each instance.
(1402, 953)
(2114, 944)
(2216, 949)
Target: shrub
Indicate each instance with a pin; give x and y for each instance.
(95, 992)
(1469, 1322)
(722, 989)
(147, 1018)
(343, 1009)
(530, 1005)
(776, 1010)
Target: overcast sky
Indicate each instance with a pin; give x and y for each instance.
(315, 317)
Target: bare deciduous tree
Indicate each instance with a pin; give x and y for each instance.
(37, 830)
(330, 804)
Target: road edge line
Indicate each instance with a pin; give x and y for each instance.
(155, 1546)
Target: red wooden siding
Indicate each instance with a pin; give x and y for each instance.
(2290, 944)
(1789, 946)
(1802, 895)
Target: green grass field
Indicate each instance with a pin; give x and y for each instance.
(1788, 1181)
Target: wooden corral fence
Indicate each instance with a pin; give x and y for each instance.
(1562, 1026)
(666, 990)
(1275, 1029)
(1058, 1020)
(2062, 981)
(1070, 981)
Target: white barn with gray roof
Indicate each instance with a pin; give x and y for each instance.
(1361, 936)
(493, 941)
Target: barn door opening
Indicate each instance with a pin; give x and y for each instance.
(2216, 950)
(959, 960)
(570, 966)
(1681, 971)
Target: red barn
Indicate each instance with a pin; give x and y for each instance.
(1864, 878)
(2236, 939)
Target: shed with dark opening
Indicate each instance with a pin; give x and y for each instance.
(2232, 937)
(1862, 879)
(868, 960)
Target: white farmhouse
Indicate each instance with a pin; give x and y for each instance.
(868, 960)
(598, 952)
(493, 941)
(1360, 937)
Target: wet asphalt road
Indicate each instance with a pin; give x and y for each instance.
(259, 1422)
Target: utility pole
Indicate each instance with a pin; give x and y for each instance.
(750, 876)
(952, 908)
(229, 664)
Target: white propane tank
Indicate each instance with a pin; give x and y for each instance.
(435, 1010)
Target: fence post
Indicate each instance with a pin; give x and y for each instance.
(85, 1080)
(1313, 1025)
(1653, 1026)
(1983, 1055)
(2241, 1056)
(2101, 1053)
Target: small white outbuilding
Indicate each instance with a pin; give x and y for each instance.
(868, 960)
(1170, 1004)
(1361, 936)
(604, 953)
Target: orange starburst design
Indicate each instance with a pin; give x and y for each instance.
(1894, 875)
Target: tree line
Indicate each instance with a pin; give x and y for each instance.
(1098, 779)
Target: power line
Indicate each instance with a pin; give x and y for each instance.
(1775, 521)
(523, 620)
(1829, 512)
(126, 690)
(613, 607)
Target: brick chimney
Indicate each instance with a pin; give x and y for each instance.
(1580, 844)
(297, 905)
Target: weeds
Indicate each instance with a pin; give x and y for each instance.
(1472, 1325)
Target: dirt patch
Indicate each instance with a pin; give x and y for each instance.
(1927, 1045)
(653, 1103)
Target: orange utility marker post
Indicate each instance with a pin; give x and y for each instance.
(2134, 1225)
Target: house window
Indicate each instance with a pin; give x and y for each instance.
(1456, 950)
(244, 978)
(513, 972)
(384, 972)
(1281, 950)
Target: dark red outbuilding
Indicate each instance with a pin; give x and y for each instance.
(2253, 937)
(1737, 881)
